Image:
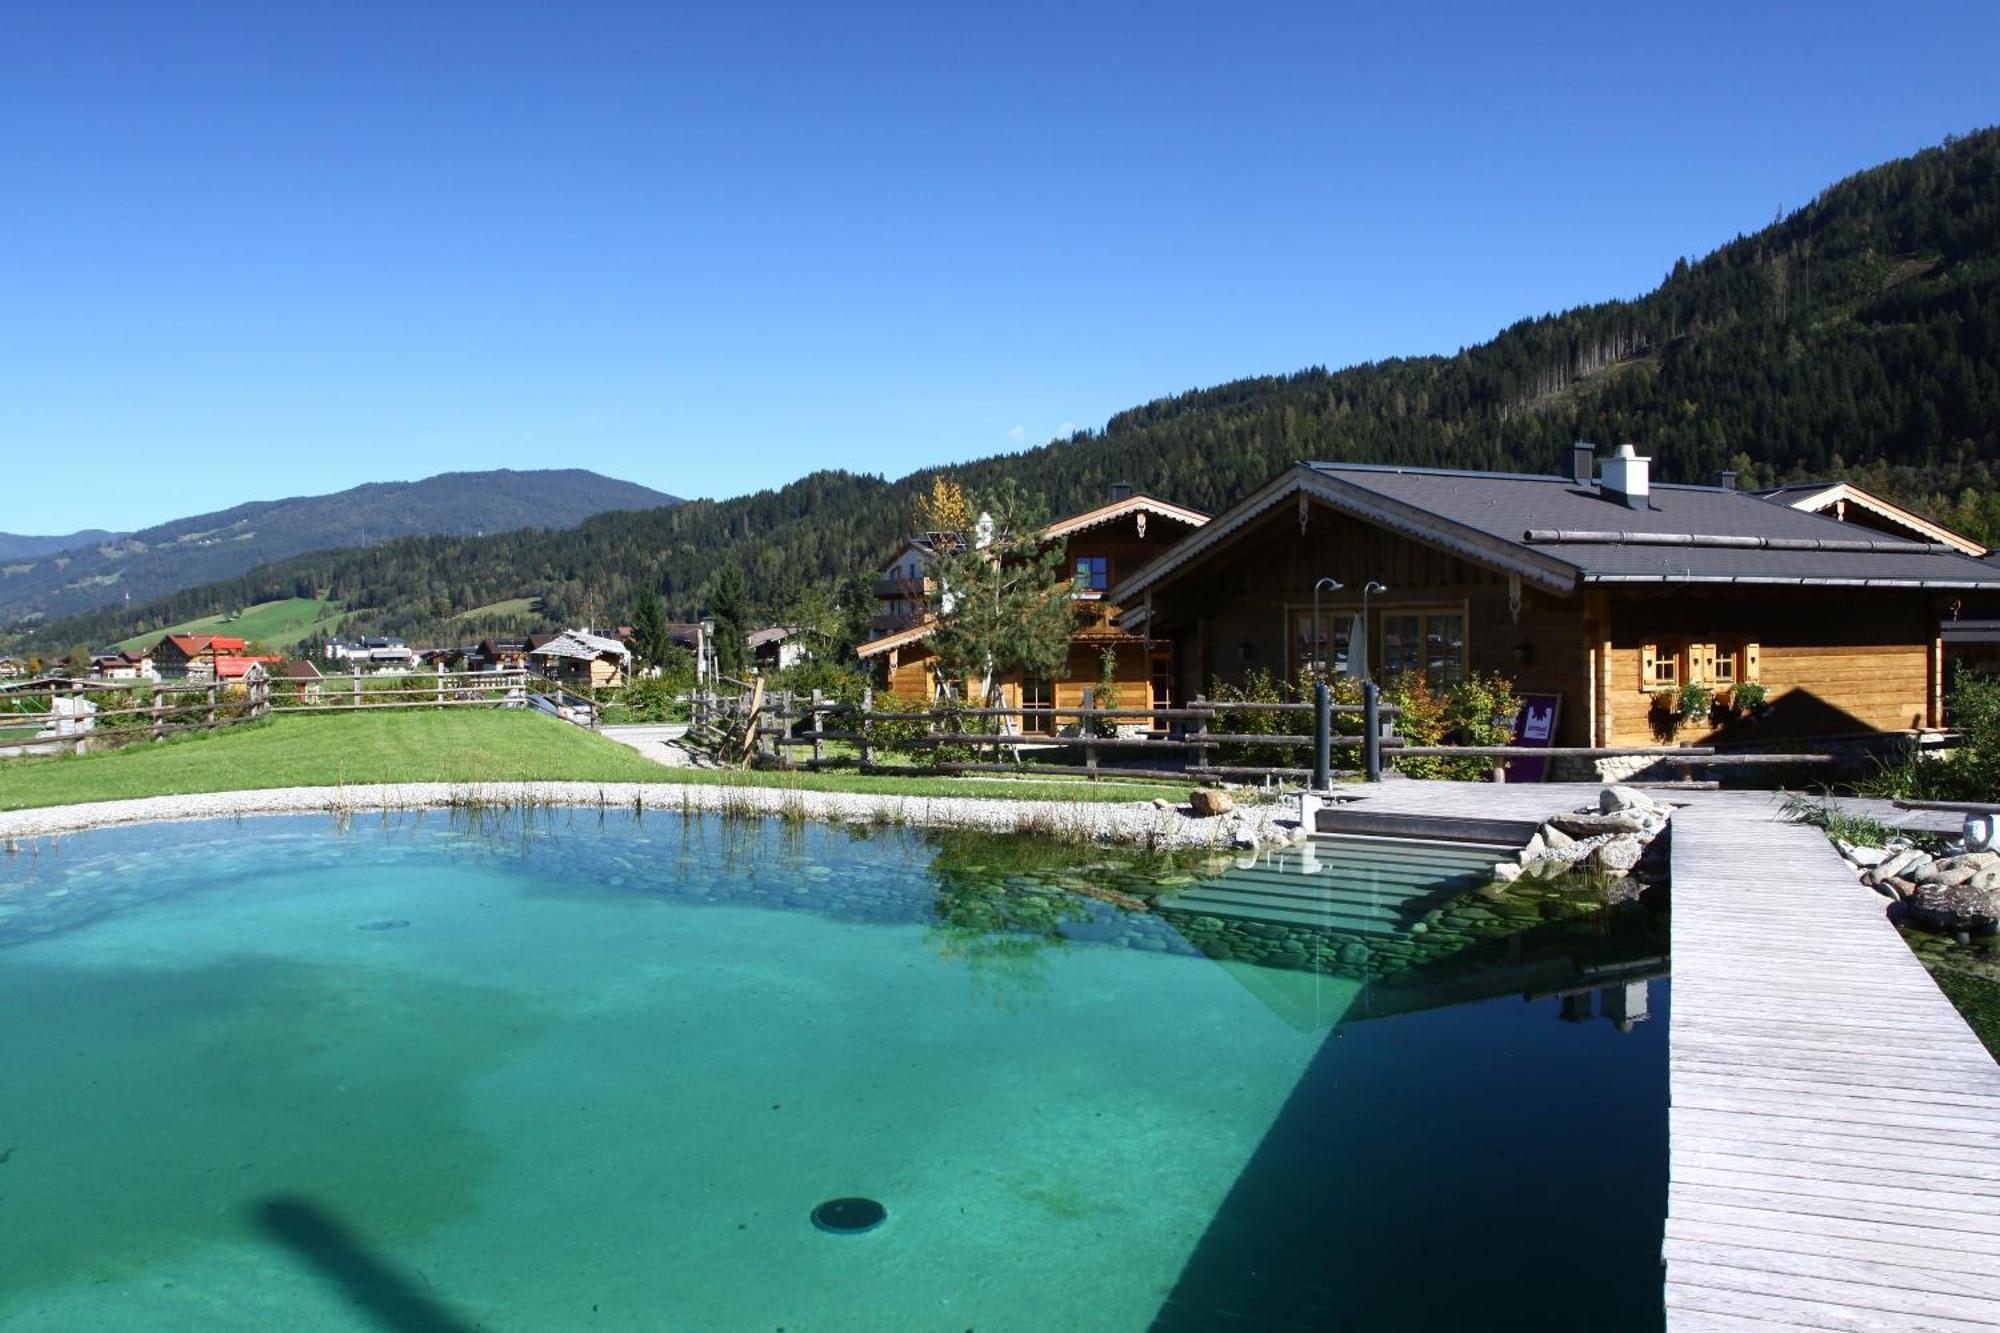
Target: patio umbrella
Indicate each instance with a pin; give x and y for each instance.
(1357, 649)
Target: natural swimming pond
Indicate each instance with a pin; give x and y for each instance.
(581, 1070)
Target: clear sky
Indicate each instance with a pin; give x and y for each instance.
(250, 250)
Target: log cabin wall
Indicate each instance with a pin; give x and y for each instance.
(1229, 613)
(1834, 661)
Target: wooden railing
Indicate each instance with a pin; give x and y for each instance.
(52, 715)
(780, 725)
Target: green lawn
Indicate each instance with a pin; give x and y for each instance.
(461, 745)
(513, 606)
(278, 624)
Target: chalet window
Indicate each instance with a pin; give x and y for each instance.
(1093, 572)
(1659, 667)
(1330, 650)
(1037, 697)
(1721, 666)
(1432, 642)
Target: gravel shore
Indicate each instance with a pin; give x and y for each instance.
(1083, 821)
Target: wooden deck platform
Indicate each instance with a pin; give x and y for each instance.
(1835, 1125)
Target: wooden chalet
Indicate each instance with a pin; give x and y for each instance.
(192, 656)
(1101, 546)
(583, 660)
(1848, 503)
(1600, 587)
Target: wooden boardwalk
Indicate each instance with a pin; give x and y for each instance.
(1835, 1126)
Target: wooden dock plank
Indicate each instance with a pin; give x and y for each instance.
(1834, 1130)
(1834, 1156)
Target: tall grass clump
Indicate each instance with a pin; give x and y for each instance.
(1970, 770)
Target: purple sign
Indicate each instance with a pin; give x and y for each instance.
(1534, 725)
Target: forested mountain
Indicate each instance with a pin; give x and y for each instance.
(102, 568)
(13, 545)
(1858, 336)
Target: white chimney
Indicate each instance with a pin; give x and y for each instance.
(1625, 475)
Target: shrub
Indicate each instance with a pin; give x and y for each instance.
(1971, 771)
(1478, 710)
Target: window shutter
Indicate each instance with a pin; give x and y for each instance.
(1748, 667)
(1649, 656)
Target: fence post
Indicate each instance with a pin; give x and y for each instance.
(867, 728)
(214, 693)
(1200, 750)
(1322, 737)
(354, 678)
(440, 684)
(1090, 733)
(819, 725)
(76, 712)
(1371, 733)
(159, 711)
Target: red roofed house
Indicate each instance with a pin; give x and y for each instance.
(192, 656)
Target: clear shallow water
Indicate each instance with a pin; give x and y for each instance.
(582, 1071)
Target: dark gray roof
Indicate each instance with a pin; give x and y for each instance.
(1508, 505)
(1785, 493)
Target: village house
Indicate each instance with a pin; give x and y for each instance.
(1100, 546)
(192, 656)
(583, 660)
(776, 648)
(376, 653)
(130, 664)
(499, 655)
(232, 668)
(301, 677)
(1602, 589)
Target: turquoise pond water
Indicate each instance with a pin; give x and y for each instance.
(575, 1070)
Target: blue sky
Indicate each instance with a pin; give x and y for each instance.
(253, 250)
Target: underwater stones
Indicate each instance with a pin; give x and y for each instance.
(1207, 803)
(392, 923)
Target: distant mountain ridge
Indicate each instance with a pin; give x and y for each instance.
(105, 567)
(15, 545)
(1858, 336)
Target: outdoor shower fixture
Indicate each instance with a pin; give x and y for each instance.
(1319, 630)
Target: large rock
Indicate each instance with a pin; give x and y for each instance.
(1614, 799)
(1590, 826)
(1208, 803)
(1897, 865)
(1967, 861)
(1618, 856)
(1956, 906)
(1867, 857)
(1555, 839)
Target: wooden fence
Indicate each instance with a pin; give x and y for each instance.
(53, 715)
(780, 726)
